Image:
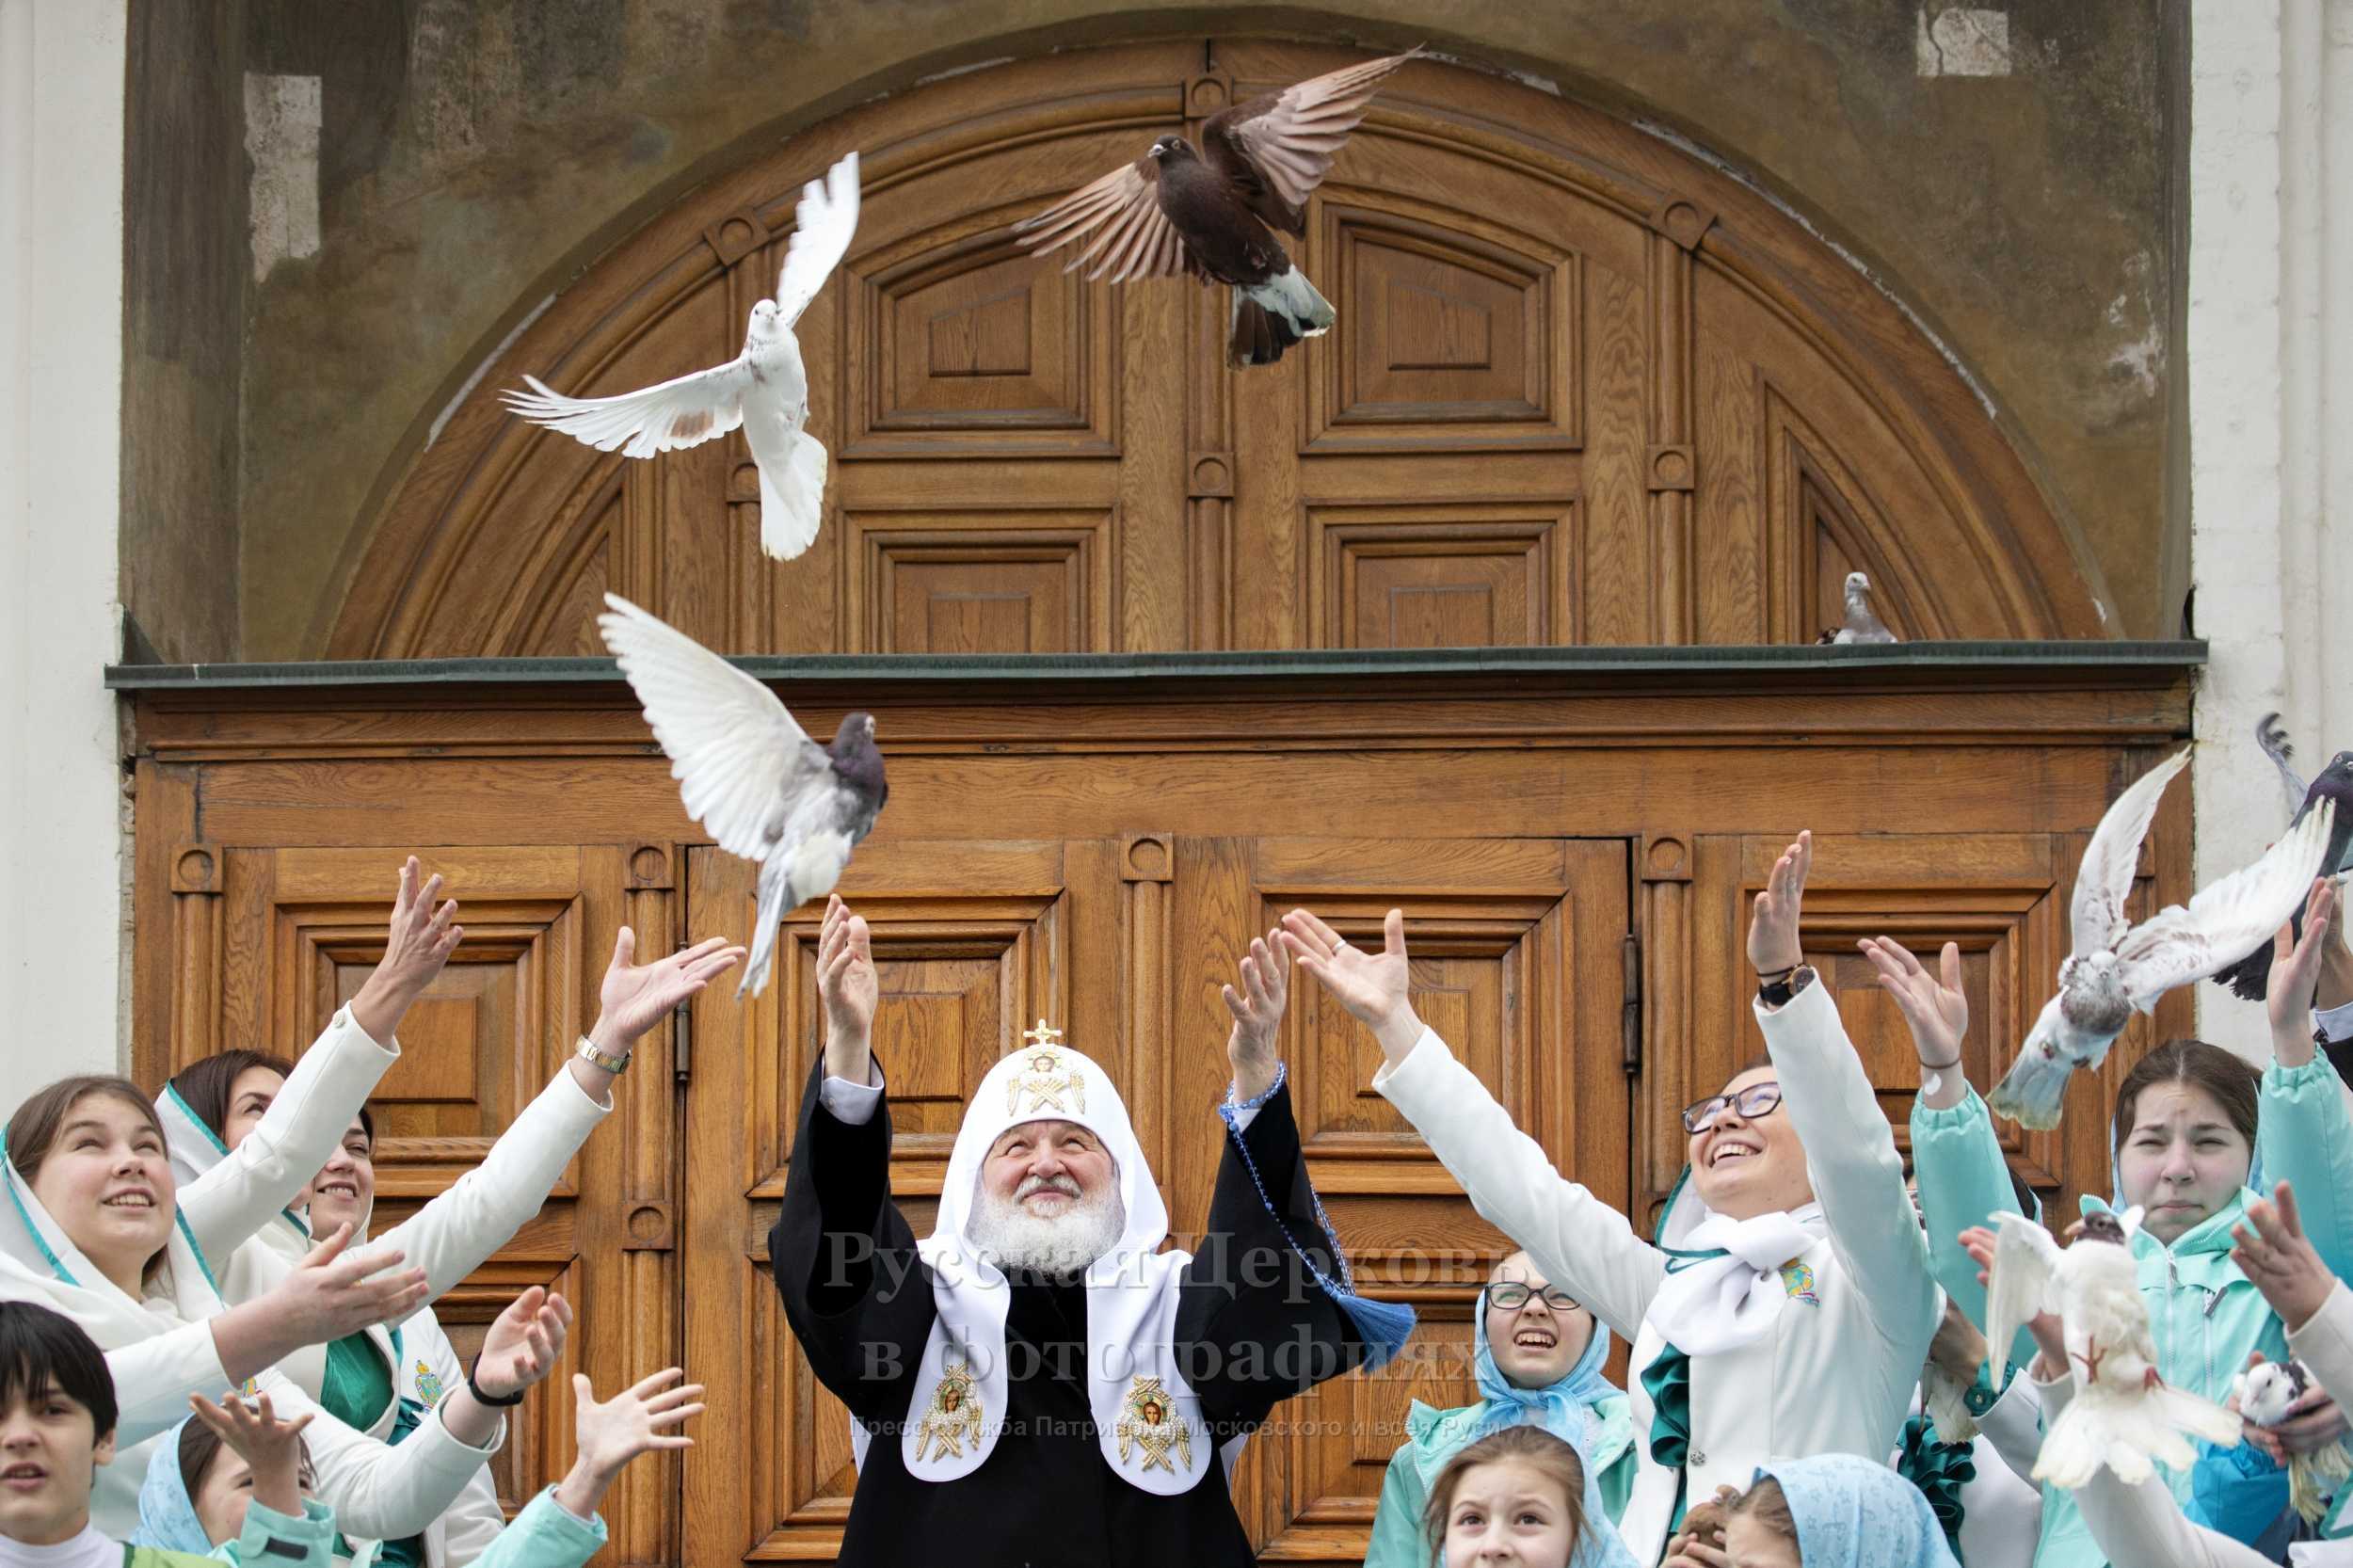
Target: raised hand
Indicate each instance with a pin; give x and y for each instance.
(1258, 1011)
(2274, 1252)
(637, 1420)
(635, 996)
(847, 987)
(271, 1449)
(417, 944)
(330, 1294)
(1375, 988)
(524, 1343)
(2297, 964)
(1774, 924)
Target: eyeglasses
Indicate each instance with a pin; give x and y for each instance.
(1757, 1099)
(1512, 1295)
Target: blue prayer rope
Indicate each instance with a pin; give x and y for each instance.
(1230, 1113)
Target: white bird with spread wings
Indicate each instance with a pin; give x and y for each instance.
(765, 389)
(2115, 969)
(2123, 1415)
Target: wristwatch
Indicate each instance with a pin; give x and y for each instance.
(1777, 991)
(588, 1052)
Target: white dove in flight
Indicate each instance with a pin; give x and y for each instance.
(747, 772)
(2123, 1415)
(2115, 969)
(765, 389)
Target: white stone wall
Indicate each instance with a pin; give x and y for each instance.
(63, 919)
(2270, 359)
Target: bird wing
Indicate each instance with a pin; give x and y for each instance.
(822, 227)
(2272, 736)
(1131, 236)
(2022, 1281)
(2104, 880)
(2227, 920)
(1281, 146)
(735, 751)
(686, 411)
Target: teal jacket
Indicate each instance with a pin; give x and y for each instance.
(545, 1534)
(1397, 1538)
(2204, 1315)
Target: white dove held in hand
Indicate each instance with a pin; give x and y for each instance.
(764, 389)
(2115, 969)
(2265, 1394)
(2123, 1416)
(747, 772)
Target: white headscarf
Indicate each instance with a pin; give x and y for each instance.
(1138, 1398)
(39, 1262)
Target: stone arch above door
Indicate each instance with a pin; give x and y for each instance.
(1584, 388)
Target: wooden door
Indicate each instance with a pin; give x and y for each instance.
(1124, 945)
(1583, 388)
(267, 943)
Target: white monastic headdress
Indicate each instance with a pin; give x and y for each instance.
(1148, 1419)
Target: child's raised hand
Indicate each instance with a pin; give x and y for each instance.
(271, 1449)
(637, 1420)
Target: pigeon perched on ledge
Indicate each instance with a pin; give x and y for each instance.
(1211, 211)
(1861, 625)
(2251, 977)
(765, 389)
(747, 772)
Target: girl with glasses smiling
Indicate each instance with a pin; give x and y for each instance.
(1787, 1306)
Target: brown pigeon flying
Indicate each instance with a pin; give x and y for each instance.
(1211, 211)
(2251, 977)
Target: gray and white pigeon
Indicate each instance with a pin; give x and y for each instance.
(2251, 977)
(2266, 1392)
(747, 772)
(2123, 1415)
(2114, 970)
(1211, 211)
(1861, 625)
(765, 389)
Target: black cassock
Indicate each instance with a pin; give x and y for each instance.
(1250, 1318)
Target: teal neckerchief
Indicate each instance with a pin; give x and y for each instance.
(1940, 1470)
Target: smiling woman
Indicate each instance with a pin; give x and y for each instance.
(94, 1152)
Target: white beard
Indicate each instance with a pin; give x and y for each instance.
(1009, 1234)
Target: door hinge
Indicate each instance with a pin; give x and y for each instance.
(683, 1043)
(1630, 1017)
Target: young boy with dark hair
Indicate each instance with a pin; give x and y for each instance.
(58, 1427)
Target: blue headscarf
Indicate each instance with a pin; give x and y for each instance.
(167, 1514)
(1564, 1408)
(1851, 1513)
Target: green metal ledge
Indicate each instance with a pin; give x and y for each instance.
(2005, 661)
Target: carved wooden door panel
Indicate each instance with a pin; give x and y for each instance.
(1582, 388)
(267, 943)
(1124, 944)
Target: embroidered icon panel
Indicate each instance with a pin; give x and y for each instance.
(1045, 1078)
(954, 1415)
(1148, 1427)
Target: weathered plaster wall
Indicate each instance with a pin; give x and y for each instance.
(2005, 170)
(183, 270)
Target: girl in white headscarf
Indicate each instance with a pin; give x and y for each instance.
(1787, 1308)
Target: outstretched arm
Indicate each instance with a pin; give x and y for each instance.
(1850, 1150)
(1580, 1243)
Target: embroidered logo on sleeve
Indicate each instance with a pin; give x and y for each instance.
(1797, 1279)
(1148, 1426)
(954, 1415)
(428, 1382)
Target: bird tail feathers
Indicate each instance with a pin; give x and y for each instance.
(1269, 317)
(2130, 1432)
(793, 502)
(789, 879)
(2029, 1094)
(2314, 1478)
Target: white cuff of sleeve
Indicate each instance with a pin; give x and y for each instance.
(851, 1104)
(2334, 1022)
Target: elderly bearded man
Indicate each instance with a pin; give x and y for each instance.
(1036, 1383)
